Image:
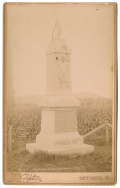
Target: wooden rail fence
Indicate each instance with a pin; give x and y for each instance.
(106, 125)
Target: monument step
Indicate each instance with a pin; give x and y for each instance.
(79, 149)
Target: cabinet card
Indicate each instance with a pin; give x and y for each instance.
(59, 106)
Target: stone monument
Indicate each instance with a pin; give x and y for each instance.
(59, 132)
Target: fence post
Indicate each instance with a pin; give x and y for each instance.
(10, 138)
(107, 138)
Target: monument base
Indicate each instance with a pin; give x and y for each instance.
(59, 132)
(79, 149)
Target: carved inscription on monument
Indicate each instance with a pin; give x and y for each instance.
(67, 142)
(65, 121)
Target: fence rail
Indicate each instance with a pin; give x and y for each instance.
(106, 125)
(96, 129)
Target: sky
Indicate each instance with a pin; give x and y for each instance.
(89, 32)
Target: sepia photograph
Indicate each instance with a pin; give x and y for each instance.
(59, 93)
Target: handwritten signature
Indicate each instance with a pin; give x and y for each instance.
(18, 177)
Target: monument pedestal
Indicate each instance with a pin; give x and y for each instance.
(59, 133)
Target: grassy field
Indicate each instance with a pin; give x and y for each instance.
(26, 121)
(98, 161)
